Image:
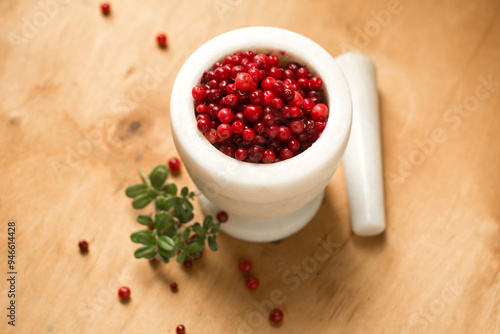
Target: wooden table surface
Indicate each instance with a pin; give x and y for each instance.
(84, 103)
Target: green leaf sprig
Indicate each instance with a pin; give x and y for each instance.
(172, 234)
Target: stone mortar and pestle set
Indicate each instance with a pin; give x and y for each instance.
(269, 202)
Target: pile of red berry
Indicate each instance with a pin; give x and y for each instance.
(254, 109)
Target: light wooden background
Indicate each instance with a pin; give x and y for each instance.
(84, 103)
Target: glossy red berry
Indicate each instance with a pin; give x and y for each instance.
(245, 266)
(284, 133)
(268, 156)
(315, 83)
(243, 81)
(252, 282)
(83, 245)
(319, 113)
(240, 154)
(252, 112)
(276, 316)
(225, 115)
(124, 292)
(180, 329)
(199, 92)
(248, 135)
(174, 287)
(174, 164)
(161, 39)
(255, 153)
(286, 153)
(105, 8)
(222, 216)
(188, 264)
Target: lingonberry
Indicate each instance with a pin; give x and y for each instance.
(315, 83)
(286, 153)
(161, 39)
(199, 93)
(296, 126)
(256, 97)
(297, 100)
(174, 287)
(202, 108)
(83, 245)
(268, 98)
(225, 115)
(267, 83)
(211, 136)
(188, 264)
(293, 145)
(244, 81)
(203, 125)
(284, 133)
(124, 292)
(307, 105)
(238, 127)
(228, 149)
(222, 216)
(262, 61)
(268, 156)
(248, 134)
(180, 329)
(302, 72)
(252, 282)
(319, 113)
(255, 153)
(222, 73)
(240, 154)
(288, 74)
(276, 315)
(224, 130)
(260, 140)
(272, 130)
(277, 103)
(275, 73)
(268, 118)
(174, 164)
(252, 112)
(259, 128)
(245, 266)
(105, 8)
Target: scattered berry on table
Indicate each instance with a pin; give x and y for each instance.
(84, 246)
(222, 216)
(252, 282)
(276, 316)
(180, 329)
(245, 266)
(124, 292)
(105, 8)
(161, 39)
(174, 164)
(187, 264)
(174, 287)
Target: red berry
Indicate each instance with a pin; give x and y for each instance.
(252, 112)
(319, 113)
(105, 8)
(267, 83)
(245, 266)
(211, 136)
(315, 83)
(203, 125)
(124, 292)
(240, 154)
(180, 329)
(252, 282)
(293, 145)
(255, 153)
(162, 40)
(268, 156)
(296, 126)
(224, 131)
(243, 81)
(286, 153)
(238, 127)
(248, 135)
(174, 287)
(187, 264)
(284, 133)
(84, 246)
(276, 315)
(297, 100)
(225, 115)
(199, 93)
(174, 164)
(222, 216)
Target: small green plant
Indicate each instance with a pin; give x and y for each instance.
(170, 234)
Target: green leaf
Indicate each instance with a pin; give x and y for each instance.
(166, 254)
(161, 202)
(141, 201)
(145, 237)
(200, 232)
(163, 257)
(184, 192)
(147, 252)
(158, 176)
(136, 189)
(187, 204)
(186, 233)
(170, 188)
(173, 201)
(182, 214)
(164, 223)
(212, 243)
(192, 194)
(166, 243)
(182, 256)
(193, 248)
(215, 228)
(145, 220)
(207, 222)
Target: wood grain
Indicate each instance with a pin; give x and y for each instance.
(84, 104)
